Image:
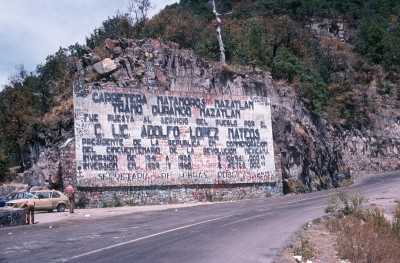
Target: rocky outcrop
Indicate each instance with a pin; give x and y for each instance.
(325, 27)
(310, 148)
(42, 161)
(311, 154)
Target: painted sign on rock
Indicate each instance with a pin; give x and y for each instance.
(134, 138)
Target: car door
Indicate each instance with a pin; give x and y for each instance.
(43, 201)
(55, 198)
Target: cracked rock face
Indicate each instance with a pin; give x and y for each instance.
(310, 153)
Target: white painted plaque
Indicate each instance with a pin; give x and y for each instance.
(134, 138)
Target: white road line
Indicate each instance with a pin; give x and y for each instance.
(141, 238)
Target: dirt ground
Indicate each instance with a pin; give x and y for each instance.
(316, 239)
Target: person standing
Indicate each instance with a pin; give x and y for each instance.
(71, 197)
(30, 210)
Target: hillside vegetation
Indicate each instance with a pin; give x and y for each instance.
(301, 42)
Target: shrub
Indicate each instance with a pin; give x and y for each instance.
(341, 203)
(114, 202)
(83, 201)
(286, 65)
(383, 88)
(130, 201)
(210, 195)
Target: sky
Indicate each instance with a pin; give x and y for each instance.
(31, 30)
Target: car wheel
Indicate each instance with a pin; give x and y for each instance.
(61, 207)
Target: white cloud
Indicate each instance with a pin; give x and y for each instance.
(32, 30)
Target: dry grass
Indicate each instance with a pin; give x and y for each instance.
(362, 241)
(306, 249)
(65, 108)
(367, 236)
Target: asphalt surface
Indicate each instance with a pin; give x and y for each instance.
(235, 232)
(93, 214)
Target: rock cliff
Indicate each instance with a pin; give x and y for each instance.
(310, 153)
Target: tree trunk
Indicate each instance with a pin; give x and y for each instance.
(219, 36)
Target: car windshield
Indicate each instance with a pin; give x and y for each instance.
(30, 195)
(9, 196)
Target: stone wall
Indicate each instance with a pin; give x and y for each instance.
(14, 217)
(159, 195)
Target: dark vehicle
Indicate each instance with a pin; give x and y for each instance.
(12, 196)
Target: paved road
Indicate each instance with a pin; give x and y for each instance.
(244, 231)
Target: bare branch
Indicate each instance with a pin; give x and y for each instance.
(138, 10)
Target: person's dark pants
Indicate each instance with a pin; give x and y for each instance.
(30, 214)
(71, 203)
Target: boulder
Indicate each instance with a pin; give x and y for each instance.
(105, 66)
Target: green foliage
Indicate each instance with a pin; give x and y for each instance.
(16, 122)
(383, 88)
(56, 70)
(76, 50)
(198, 7)
(370, 41)
(3, 166)
(255, 49)
(306, 8)
(286, 65)
(26, 100)
(271, 7)
(209, 48)
(270, 34)
(115, 28)
(204, 8)
(180, 26)
(316, 88)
